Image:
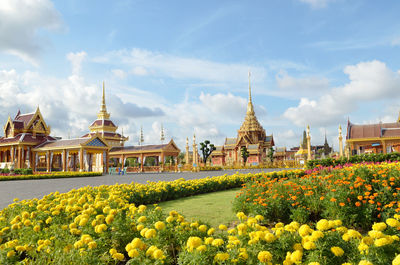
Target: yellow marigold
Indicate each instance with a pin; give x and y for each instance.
(92, 245)
(314, 263)
(243, 255)
(150, 233)
(36, 228)
(375, 234)
(251, 221)
(337, 251)
(217, 242)
(208, 240)
(142, 219)
(264, 256)
(142, 208)
(137, 243)
(158, 254)
(109, 219)
(304, 230)
(221, 257)
(202, 228)
(396, 260)
(379, 226)
(393, 222)
(159, 225)
(193, 242)
(49, 220)
(11, 254)
(133, 253)
(383, 241)
(269, 237)
(296, 256)
(241, 216)
(259, 217)
(323, 225)
(222, 227)
(118, 256)
(201, 248)
(210, 231)
(309, 245)
(169, 219)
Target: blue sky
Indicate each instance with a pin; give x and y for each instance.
(184, 64)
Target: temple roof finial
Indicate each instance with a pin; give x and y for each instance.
(250, 108)
(103, 115)
(249, 87)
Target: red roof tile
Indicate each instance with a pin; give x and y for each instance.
(25, 118)
(103, 122)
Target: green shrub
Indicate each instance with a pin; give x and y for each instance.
(328, 162)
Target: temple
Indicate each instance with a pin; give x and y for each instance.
(251, 135)
(372, 138)
(27, 143)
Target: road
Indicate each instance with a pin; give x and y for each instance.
(28, 189)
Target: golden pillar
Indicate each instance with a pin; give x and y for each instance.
(19, 159)
(340, 142)
(141, 162)
(308, 143)
(64, 162)
(107, 162)
(81, 169)
(162, 160)
(48, 161)
(187, 151)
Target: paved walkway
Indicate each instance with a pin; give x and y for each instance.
(28, 189)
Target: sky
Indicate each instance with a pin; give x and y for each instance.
(183, 65)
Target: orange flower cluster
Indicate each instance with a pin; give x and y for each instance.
(360, 195)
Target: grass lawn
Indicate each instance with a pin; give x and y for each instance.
(214, 208)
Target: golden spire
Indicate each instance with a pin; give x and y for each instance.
(103, 115)
(250, 108)
(250, 121)
(162, 138)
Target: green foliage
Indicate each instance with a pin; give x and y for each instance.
(328, 162)
(206, 149)
(271, 154)
(244, 153)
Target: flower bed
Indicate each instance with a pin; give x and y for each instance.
(89, 227)
(50, 175)
(359, 195)
(327, 162)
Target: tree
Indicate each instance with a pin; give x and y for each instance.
(206, 149)
(271, 154)
(181, 158)
(304, 145)
(244, 153)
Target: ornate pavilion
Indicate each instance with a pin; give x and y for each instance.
(27, 143)
(250, 135)
(373, 138)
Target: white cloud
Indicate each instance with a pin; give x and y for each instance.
(76, 60)
(69, 104)
(294, 87)
(369, 82)
(316, 3)
(162, 64)
(139, 70)
(224, 104)
(20, 23)
(119, 73)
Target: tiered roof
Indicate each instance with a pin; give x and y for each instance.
(104, 125)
